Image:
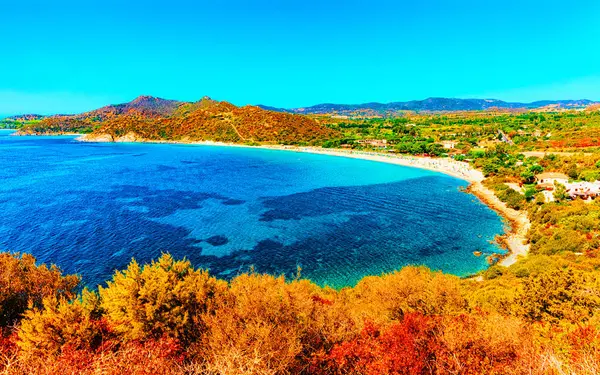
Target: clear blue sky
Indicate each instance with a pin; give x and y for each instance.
(70, 56)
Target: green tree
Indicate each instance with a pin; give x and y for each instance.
(528, 177)
(490, 168)
(572, 171)
(560, 192)
(530, 192)
(536, 169)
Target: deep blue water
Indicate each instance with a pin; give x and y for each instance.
(90, 208)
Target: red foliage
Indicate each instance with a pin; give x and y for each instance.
(321, 300)
(406, 347)
(420, 345)
(468, 351)
(586, 142)
(585, 344)
(161, 356)
(8, 339)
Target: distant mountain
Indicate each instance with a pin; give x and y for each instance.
(26, 117)
(148, 118)
(432, 105)
(274, 109)
(142, 105)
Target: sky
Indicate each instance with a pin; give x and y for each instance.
(72, 56)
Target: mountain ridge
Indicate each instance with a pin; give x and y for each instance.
(433, 104)
(158, 107)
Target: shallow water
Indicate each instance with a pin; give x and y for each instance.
(91, 208)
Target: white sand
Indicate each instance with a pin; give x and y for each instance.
(447, 166)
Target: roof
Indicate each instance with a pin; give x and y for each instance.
(556, 175)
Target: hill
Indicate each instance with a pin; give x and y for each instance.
(149, 118)
(16, 122)
(24, 118)
(431, 105)
(148, 106)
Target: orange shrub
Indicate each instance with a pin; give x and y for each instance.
(23, 283)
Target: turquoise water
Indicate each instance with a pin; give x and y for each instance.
(90, 208)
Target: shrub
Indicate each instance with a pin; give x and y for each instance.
(263, 327)
(407, 347)
(166, 297)
(558, 296)
(479, 344)
(23, 284)
(412, 289)
(512, 198)
(45, 332)
(154, 357)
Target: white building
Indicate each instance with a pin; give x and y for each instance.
(549, 178)
(584, 190)
(449, 144)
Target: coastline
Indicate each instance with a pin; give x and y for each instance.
(458, 169)
(514, 238)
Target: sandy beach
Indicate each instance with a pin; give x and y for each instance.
(447, 166)
(515, 238)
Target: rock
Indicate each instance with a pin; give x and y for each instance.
(96, 138)
(493, 259)
(477, 253)
(129, 137)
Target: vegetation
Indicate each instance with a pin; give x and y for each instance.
(538, 317)
(17, 122)
(475, 131)
(148, 118)
(8, 124)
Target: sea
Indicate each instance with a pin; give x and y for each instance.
(90, 208)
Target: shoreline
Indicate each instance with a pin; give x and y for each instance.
(458, 169)
(514, 237)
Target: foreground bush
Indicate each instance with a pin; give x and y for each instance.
(169, 318)
(166, 297)
(62, 324)
(24, 284)
(153, 357)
